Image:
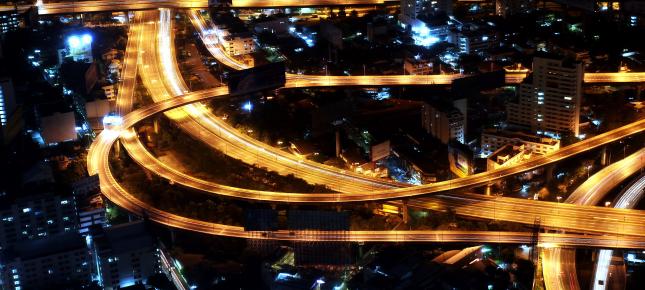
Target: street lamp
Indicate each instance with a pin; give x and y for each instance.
(319, 283)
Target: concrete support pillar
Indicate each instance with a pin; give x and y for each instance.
(604, 156)
(338, 149)
(548, 173)
(117, 147)
(404, 211)
(639, 90)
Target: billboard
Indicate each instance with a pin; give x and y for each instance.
(460, 158)
(269, 76)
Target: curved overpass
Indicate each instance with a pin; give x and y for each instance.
(123, 199)
(275, 156)
(559, 264)
(593, 219)
(117, 5)
(118, 195)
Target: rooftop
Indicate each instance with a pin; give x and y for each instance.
(522, 136)
(61, 243)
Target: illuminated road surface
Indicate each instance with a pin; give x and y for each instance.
(559, 264)
(276, 158)
(559, 268)
(118, 195)
(125, 93)
(116, 5)
(565, 216)
(627, 199)
(160, 75)
(594, 189)
(173, 103)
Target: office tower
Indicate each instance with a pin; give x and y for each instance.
(549, 98)
(126, 254)
(47, 263)
(411, 9)
(36, 217)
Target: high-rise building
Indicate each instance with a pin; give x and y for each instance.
(46, 264)
(411, 9)
(589, 5)
(11, 122)
(126, 254)
(9, 21)
(36, 217)
(549, 98)
(509, 7)
(444, 122)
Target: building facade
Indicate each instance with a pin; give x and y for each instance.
(238, 44)
(509, 7)
(9, 21)
(549, 99)
(411, 9)
(46, 263)
(11, 121)
(491, 140)
(126, 254)
(36, 217)
(418, 66)
(443, 122)
(508, 155)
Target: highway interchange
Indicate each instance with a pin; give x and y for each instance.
(222, 92)
(619, 228)
(559, 264)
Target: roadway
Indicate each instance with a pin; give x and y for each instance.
(115, 5)
(475, 180)
(627, 199)
(111, 188)
(559, 216)
(595, 188)
(255, 152)
(124, 5)
(467, 208)
(559, 268)
(125, 92)
(160, 75)
(559, 264)
(172, 103)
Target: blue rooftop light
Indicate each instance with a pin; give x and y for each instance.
(248, 106)
(86, 38)
(74, 41)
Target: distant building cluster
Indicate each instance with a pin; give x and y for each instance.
(233, 35)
